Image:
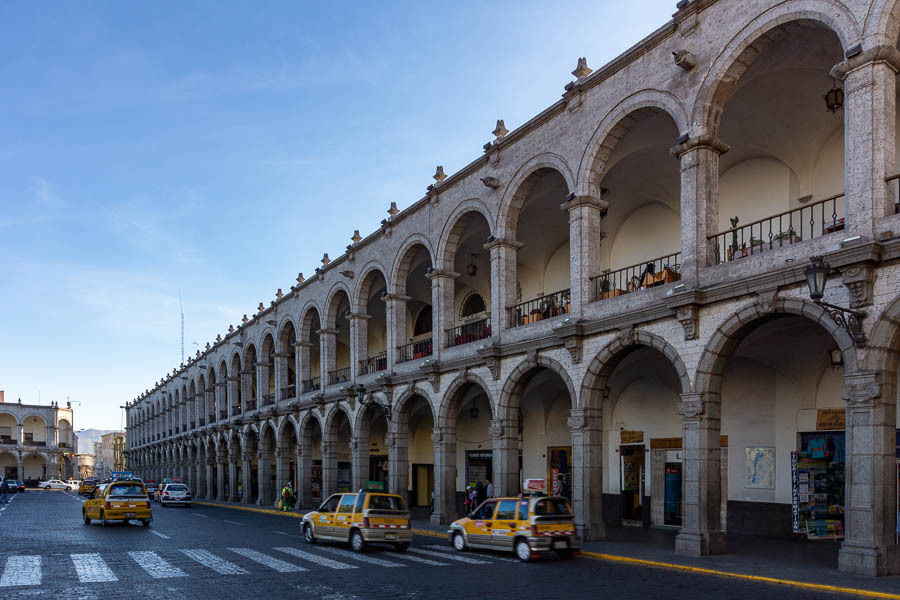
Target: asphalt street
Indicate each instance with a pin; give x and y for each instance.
(212, 552)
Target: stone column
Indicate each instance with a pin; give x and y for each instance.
(359, 463)
(701, 531)
(233, 457)
(503, 281)
(870, 519)
(301, 365)
(210, 480)
(246, 388)
(443, 289)
(220, 479)
(505, 440)
(587, 460)
(304, 475)
(200, 468)
(398, 464)
(699, 158)
(262, 381)
(280, 360)
(585, 214)
(869, 129)
(329, 468)
(221, 399)
(246, 476)
(190, 472)
(327, 351)
(395, 320)
(282, 468)
(20, 468)
(263, 466)
(359, 342)
(232, 384)
(444, 475)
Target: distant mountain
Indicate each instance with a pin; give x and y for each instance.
(87, 438)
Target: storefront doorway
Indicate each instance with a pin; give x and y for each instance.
(423, 485)
(559, 470)
(632, 484)
(479, 466)
(316, 482)
(378, 469)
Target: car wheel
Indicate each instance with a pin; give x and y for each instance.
(523, 550)
(565, 554)
(46, 487)
(146, 522)
(459, 542)
(103, 521)
(357, 543)
(401, 547)
(87, 519)
(308, 534)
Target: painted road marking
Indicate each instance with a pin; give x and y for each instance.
(155, 565)
(360, 557)
(91, 568)
(419, 559)
(21, 570)
(232, 522)
(199, 515)
(449, 550)
(165, 537)
(319, 560)
(465, 559)
(269, 561)
(290, 534)
(217, 564)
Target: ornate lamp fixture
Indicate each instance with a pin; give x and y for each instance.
(472, 268)
(834, 98)
(370, 401)
(851, 320)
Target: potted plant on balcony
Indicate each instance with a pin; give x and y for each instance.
(790, 236)
(733, 248)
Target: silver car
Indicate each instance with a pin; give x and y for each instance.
(175, 493)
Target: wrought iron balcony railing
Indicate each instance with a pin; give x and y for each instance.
(373, 364)
(414, 350)
(648, 274)
(545, 307)
(469, 332)
(337, 376)
(312, 385)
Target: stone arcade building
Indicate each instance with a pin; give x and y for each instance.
(611, 297)
(36, 441)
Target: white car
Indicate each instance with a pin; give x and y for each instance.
(54, 484)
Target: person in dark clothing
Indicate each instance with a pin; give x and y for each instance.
(480, 493)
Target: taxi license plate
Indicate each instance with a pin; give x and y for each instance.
(390, 536)
(129, 515)
(560, 545)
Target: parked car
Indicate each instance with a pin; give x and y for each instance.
(175, 493)
(21, 485)
(54, 484)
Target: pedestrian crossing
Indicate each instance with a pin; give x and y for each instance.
(96, 567)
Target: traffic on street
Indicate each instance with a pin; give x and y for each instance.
(52, 550)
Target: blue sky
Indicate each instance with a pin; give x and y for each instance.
(218, 148)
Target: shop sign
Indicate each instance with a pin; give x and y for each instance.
(795, 494)
(675, 443)
(830, 418)
(631, 437)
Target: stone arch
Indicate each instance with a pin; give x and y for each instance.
(364, 413)
(450, 236)
(332, 416)
(514, 386)
(333, 302)
(450, 401)
(882, 353)
(729, 334)
(282, 430)
(283, 328)
(616, 124)
(309, 312)
(402, 404)
(522, 183)
(359, 300)
(737, 56)
(609, 357)
(310, 418)
(18, 421)
(403, 261)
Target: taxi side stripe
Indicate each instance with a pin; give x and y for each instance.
(319, 560)
(360, 557)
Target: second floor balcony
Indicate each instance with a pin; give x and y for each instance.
(414, 350)
(339, 376)
(313, 384)
(543, 307)
(373, 364)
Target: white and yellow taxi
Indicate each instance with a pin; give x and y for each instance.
(528, 526)
(360, 518)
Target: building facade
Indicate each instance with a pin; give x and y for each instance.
(611, 297)
(36, 441)
(85, 466)
(109, 454)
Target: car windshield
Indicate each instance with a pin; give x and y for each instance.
(555, 507)
(386, 503)
(127, 490)
(177, 487)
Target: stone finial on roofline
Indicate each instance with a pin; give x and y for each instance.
(500, 130)
(393, 210)
(356, 237)
(300, 277)
(439, 174)
(581, 71)
(325, 259)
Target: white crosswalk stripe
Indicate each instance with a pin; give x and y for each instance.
(269, 561)
(216, 563)
(424, 561)
(91, 568)
(21, 570)
(465, 559)
(319, 560)
(155, 565)
(449, 550)
(360, 557)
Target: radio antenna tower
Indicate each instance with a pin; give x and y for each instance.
(181, 310)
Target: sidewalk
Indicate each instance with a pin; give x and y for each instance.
(802, 564)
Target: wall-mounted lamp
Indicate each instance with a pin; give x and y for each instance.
(834, 98)
(837, 358)
(851, 320)
(473, 412)
(472, 268)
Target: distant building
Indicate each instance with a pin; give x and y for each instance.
(109, 454)
(85, 466)
(36, 441)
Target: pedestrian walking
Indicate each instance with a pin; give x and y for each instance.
(4, 491)
(473, 498)
(480, 493)
(286, 497)
(489, 488)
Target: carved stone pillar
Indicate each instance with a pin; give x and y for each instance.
(200, 469)
(503, 281)
(359, 342)
(246, 389)
(398, 464)
(262, 382)
(232, 390)
(282, 469)
(585, 214)
(587, 460)
(444, 475)
(221, 399)
(301, 365)
(395, 318)
(210, 481)
(220, 478)
(234, 458)
(443, 288)
(701, 531)
(699, 158)
(329, 467)
(870, 519)
(505, 440)
(247, 477)
(304, 475)
(281, 369)
(264, 477)
(327, 352)
(359, 461)
(299, 475)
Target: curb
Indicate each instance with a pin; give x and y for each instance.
(637, 561)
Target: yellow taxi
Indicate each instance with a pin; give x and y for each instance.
(361, 518)
(528, 526)
(118, 501)
(87, 486)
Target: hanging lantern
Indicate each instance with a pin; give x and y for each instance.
(816, 276)
(834, 98)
